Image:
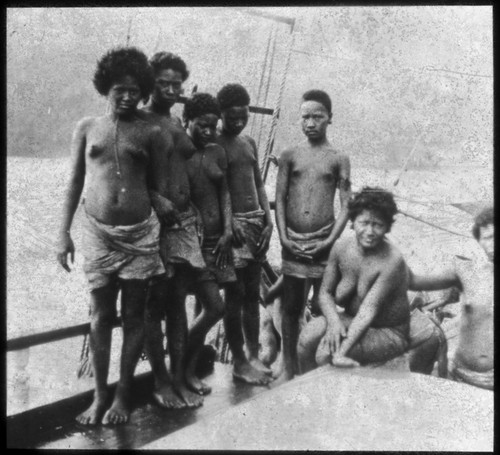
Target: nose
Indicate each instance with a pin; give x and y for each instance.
(170, 89)
(309, 123)
(126, 95)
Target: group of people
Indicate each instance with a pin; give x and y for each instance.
(175, 206)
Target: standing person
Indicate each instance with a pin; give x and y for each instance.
(368, 277)
(252, 229)
(179, 243)
(209, 193)
(119, 157)
(308, 177)
(473, 362)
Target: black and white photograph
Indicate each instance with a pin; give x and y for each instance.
(250, 228)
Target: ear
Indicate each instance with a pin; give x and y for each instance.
(330, 115)
(181, 91)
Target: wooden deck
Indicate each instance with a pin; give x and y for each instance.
(326, 409)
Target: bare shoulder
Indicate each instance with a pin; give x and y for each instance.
(394, 262)
(86, 123)
(288, 154)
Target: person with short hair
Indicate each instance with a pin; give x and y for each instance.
(368, 277)
(308, 178)
(209, 193)
(118, 156)
(179, 243)
(252, 229)
(473, 362)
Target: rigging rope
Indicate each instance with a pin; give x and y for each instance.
(274, 122)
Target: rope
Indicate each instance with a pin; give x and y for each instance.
(268, 85)
(274, 122)
(261, 82)
(432, 224)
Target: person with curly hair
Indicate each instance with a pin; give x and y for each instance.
(309, 175)
(473, 361)
(179, 244)
(119, 157)
(367, 276)
(252, 228)
(209, 193)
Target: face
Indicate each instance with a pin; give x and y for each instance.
(202, 129)
(124, 95)
(314, 120)
(487, 240)
(234, 119)
(370, 229)
(168, 87)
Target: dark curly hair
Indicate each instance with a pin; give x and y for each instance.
(376, 199)
(167, 60)
(233, 95)
(483, 219)
(120, 62)
(200, 104)
(320, 97)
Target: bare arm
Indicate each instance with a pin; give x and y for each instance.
(263, 202)
(335, 329)
(386, 282)
(282, 181)
(344, 187)
(73, 192)
(161, 149)
(223, 247)
(440, 280)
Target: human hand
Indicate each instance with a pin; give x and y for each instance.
(65, 246)
(341, 361)
(222, 250)
(334, 334)
(238, 235)
(295, 248)
(264, 240)
(316, 248)
(166, 210)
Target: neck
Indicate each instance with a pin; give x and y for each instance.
(123, 117)
(317, 142)
(161, 109)
(370, 251)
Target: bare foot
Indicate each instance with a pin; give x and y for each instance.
(258, 365)
(119, 412)
(166, 397)
(192, 400)
(247, 373)
(93, 415)
(197, 385)
(277, 369)
(344, 362)
(282, 378)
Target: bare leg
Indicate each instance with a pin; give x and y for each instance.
(212, 310)
(293, 305)
(242, 370)
(267, 336)
(309, 339)
(134, 294)
(178, 333)
(103, 311)
(251, 314)
(158, 299)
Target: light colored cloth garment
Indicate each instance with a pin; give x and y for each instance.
(301, 267)
(130, 252)
(460, 373)
(180, 243)
(252, 224)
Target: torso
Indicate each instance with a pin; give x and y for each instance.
(241, 161)
(475, 343)
(110, 198)
(178, 190)
(205, 170)
(312, 182)
(357, 275)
